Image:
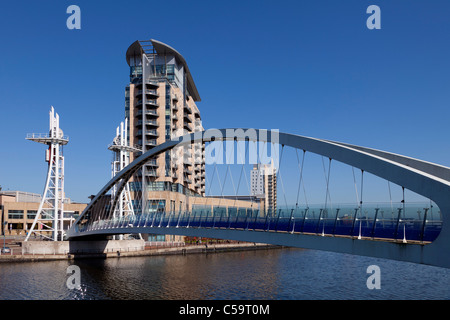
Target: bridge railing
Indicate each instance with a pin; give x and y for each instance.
(415, 222)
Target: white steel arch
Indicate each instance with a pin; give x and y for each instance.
(424, 178)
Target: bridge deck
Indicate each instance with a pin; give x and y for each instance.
(411, 231)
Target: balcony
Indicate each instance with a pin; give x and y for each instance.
(152, 92)
(186, 168)
(151, 162)
(151, 112)
(147, 122)
(198, 124)
(187, 119)
(187, 152)
(174, 156)
(147, 112)
(149, 83)
(151, 142)
(198, 152)
(151, 102)
(187, 109)
(151, 123)
(151, 132)
(148, 101)
(151, 173)
(187, 127)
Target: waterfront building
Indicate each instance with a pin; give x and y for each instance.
(18, 210)
(263, 185)
(161, 104)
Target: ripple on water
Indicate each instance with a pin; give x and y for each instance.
(265, 274)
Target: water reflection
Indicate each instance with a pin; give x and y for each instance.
(265, 274)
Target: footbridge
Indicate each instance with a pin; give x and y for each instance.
(410, 224)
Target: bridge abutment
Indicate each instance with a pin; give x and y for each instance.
(81, 247)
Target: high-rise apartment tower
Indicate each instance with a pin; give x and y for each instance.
(263, 184)
(160, 104)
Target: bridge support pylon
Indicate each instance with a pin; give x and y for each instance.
(49, 220)
(121, 158)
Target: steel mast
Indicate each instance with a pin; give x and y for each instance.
(121, 158)
(50, 215)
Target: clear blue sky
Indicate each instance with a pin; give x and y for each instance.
(307, 67)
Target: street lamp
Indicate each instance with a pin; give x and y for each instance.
(3, 231)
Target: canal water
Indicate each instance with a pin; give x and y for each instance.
(282, 274)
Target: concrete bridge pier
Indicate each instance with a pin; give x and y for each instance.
(82, 247)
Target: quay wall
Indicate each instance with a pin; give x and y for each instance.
(78, 247)
(104, 250)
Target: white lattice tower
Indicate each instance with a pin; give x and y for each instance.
(50, 215)
(121, 158)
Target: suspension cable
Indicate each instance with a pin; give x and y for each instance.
(223, 185)
(301, 175)
(239, 182)
(327, 192)
(240, 176)
(390, 197)
(356, 188)
(281, 178)
(361, 203)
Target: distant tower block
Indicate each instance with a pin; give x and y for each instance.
(121, 158)
(49, 220)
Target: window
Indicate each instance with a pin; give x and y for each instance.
(31, 214)
(135, 73)
(15, 214)
(156, 205)
(154, 237)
